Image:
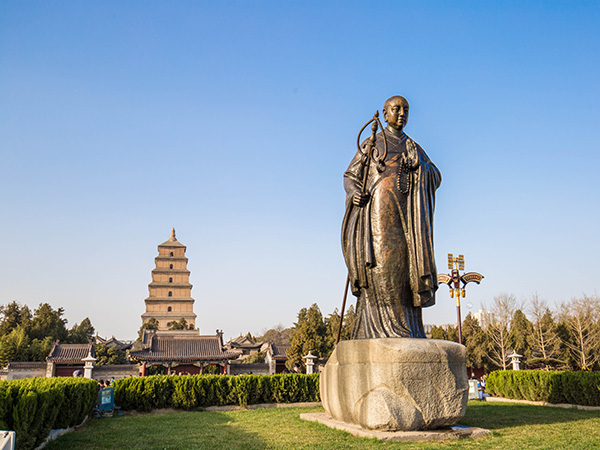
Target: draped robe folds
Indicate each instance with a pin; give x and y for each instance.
(388, 243)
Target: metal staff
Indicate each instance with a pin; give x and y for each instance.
(369, 153)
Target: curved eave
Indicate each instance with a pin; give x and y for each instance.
(170, 258)
(167, 270)
(161, 284)
(65, 361)
(172, 244)
(169, 315)
(149, 357)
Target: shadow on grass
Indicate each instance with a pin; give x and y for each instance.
(179, 430)
(493, 416)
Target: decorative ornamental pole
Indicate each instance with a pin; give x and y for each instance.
(453, 281)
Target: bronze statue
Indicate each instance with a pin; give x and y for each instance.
(387, 232)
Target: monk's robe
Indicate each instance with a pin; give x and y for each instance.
(388, 243)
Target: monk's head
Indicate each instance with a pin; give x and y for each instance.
(395, 112)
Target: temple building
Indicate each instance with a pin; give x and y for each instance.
(182, 351)
(170, 296)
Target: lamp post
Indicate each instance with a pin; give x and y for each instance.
(453, 281)
(310, 362)
(516, 360)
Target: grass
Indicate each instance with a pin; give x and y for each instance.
(513, 426)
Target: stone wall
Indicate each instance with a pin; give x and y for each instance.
(18, 370)
(116, 371)
(252, 368)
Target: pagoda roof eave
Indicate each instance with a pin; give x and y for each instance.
(172, 244)
(170, 258)
(167, 284)
(174, 299)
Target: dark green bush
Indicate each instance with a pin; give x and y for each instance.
(34, 406)
(579, 388)
(194, 391)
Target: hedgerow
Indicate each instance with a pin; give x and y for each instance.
(198, 391)
(34, 406)
(579, 388)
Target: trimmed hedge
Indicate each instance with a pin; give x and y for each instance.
(34, 406)
(198, 391)
(578, 388)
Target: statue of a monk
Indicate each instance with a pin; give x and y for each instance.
(387, 233)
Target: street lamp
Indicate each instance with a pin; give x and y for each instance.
(453, 281)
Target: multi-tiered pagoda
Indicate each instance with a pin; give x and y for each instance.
(170, 296)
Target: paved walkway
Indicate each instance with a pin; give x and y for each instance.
(555, 405)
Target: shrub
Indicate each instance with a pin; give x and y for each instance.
(194, 391)
(579, 388)
(34, 406)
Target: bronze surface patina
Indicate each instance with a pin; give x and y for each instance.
(387, 232)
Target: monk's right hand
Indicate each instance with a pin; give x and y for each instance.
(360, 199)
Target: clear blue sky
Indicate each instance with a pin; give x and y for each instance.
(234, 121)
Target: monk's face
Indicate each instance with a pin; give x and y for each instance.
(395, 113)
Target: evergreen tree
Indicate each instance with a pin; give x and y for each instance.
(333, 324)
(452, 333)
(308, 334)
(565, 342)
(181, 324)
(151, 324)
(475, 340)
(14, 346)
(13, 315)
(109, 355)
(27, 337)
(349, 321)
(521, 330)
(255, 358)
(48, 322)
(438, 333)
(40, 349)
(81, 333)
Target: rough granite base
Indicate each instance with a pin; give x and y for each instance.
(396, 384)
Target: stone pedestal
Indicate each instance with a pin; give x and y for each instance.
(396, 384)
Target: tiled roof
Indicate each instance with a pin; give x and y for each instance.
(279, 350)
(70, 353)
(113, 342)
(244, 342)
(183, 348)
(172, 241)
(26, 365)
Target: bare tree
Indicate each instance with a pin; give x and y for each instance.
(545, 340)
(503, 310)
(580, 316)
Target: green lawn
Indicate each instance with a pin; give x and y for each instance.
(513, 426)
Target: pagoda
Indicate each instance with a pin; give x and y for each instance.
(170, 296)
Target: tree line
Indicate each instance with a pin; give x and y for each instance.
(564, 338)
(317, 334)
(29, 336)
